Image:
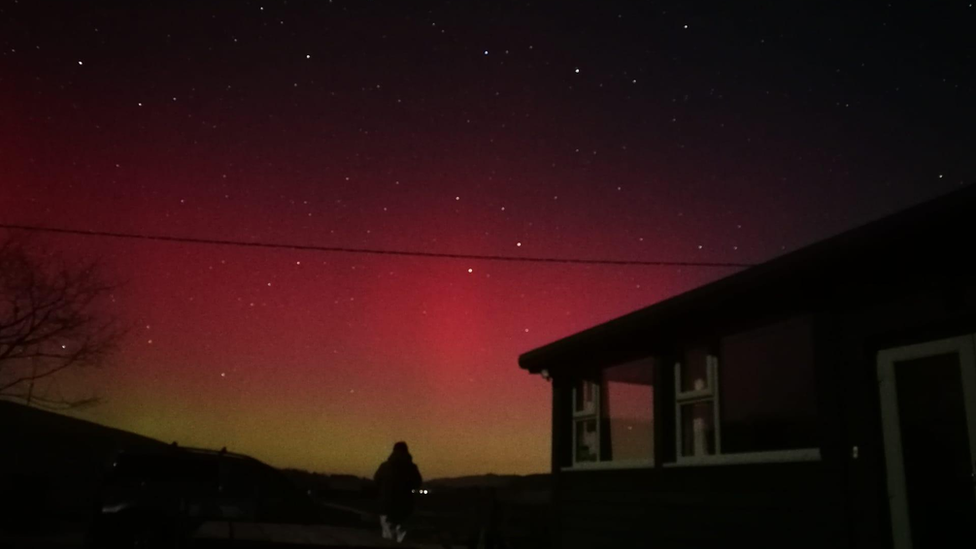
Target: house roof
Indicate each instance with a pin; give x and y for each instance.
(919, 245)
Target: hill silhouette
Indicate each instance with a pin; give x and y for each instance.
(491, 480)
(53, 463)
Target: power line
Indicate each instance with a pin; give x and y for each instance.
(312, 248)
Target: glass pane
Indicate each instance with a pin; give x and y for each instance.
(587, 441)
(768, 389)
(585, 397)
(694, 370)
(698, 429)
(628, 406)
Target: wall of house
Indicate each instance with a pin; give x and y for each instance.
(769, 505)
(857, 332)
(751, 505)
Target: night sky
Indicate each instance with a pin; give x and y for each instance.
(632, 131)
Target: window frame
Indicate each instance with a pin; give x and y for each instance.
(583, 416)
(709, 394)
(712, 393)
(598, 416)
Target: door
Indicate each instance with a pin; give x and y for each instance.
(928, 414)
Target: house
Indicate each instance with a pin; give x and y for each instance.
(826, 398)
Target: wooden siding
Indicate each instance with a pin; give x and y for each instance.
(762, 505)
(857, 331)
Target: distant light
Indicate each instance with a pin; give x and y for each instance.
(519, 244)
(576, 71)
(686, 26)
(308, 56)
(222, 374)
(80, 63)
(470, 270)
(486, 52)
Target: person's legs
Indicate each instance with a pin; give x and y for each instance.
(401, 533)
(385, 524)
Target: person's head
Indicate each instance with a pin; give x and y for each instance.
(400, 447)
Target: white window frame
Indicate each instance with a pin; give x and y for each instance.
(596, 414)
(711, 393)
(582, 416)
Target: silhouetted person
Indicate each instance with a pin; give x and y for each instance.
(396, 480)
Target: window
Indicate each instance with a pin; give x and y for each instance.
(586, 429)
(613, 419)
(696, 405)
(768, 389)
(765, 408)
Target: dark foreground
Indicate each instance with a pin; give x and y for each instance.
(70, 483)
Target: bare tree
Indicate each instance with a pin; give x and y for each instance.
(49, 323)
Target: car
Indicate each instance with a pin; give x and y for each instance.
(161, 498)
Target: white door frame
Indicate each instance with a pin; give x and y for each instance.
(965, 347)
